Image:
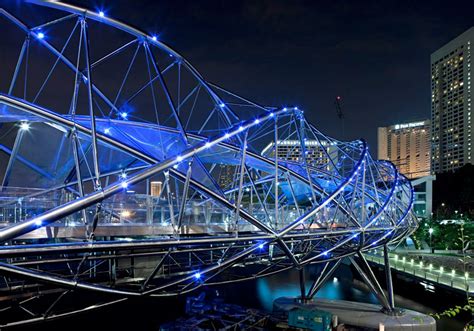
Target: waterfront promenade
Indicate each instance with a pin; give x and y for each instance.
(436, 273)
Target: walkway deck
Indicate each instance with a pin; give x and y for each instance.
(436, 274)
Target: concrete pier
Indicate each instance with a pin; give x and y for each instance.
(363, 315)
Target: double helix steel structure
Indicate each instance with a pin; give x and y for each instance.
(126, 172)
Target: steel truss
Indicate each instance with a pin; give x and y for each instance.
(108, 118)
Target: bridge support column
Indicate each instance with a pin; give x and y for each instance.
(302, 285)
(324, 275)
(370, 280)
(388, 277)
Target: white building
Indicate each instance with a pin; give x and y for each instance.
(317, 153)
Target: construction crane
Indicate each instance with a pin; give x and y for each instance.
(340, 114)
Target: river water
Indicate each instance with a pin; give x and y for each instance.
(344, 286)
(259, 293)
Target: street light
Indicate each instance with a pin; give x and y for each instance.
(430, 231)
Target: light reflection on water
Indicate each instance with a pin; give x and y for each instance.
(345, 288)
(271, 288)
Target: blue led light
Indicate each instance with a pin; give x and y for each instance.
(386, 197)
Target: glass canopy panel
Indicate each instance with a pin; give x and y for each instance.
(44, 152)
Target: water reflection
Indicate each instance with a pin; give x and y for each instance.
(287, 285)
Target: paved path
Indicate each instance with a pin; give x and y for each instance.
(430, 272)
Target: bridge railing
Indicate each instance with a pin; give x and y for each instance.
(429, 272)
(141, 209)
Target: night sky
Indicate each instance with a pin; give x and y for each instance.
(374, 54)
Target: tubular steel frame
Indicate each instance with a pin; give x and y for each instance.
(312, 205)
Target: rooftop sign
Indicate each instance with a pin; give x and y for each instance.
(408, 125)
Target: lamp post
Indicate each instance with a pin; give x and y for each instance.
(430, 231)
(442, 209)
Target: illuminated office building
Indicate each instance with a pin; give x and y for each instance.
(318, 153)
(451, 96)
(407, 145)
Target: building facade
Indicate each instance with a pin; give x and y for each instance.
(226, 175)
(451, 95)
(407, 145)
(423, 202)
(155, 188)
(318, 153)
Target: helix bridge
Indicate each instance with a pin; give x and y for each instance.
(126, 173)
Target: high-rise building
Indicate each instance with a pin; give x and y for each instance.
(407, 145)
(451, 96)
(155, 188)
(226, 175)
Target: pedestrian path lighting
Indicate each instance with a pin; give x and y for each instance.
(430, 231)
